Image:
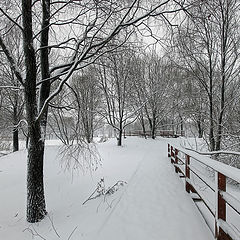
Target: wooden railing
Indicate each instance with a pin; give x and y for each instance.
(162, 133)
(183, 161)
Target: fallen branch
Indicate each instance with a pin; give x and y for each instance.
(90, 197)
(102, 191)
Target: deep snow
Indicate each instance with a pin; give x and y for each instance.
(153, 205)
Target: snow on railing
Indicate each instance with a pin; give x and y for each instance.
(162, 133)
(180, 158)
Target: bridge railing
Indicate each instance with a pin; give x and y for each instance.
(162, 133)
(187, 164)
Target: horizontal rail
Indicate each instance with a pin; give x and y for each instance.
(181, 157)
(228, 171)
(162, 133)
(229, 230)
(202, 178)
(210, 206)
(232, 201)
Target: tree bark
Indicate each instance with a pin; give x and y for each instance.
(36, 207)
(119, 143)
(143, 125)
(45, 72)
(15, 140)
(35, 187)
(211, 132)
(210, 96)
(153, 130)
(200, 129)
(224, 40)
(15, 131)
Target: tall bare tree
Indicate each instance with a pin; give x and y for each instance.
(208, 43)
(115, 76)
(13, 103)
(152, 84)
(98, 22)
(87, 99)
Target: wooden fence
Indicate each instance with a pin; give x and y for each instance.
(182, 160)
(161, 133)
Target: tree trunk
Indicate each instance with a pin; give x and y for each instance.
(181, 126)
(15, 140)
(45, 73)
(88, 136)
(27, 142)
(119, 143)
(36, 208)
(224, 40)
(15, 131)
(211, 128)
(35, 187)
(211, 134)
(200, 130)
(220, 120)
(153, 130)
(120, 133)
(143, 125)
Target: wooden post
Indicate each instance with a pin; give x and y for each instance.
(187, 172)
(220, 206)
(176, 160)
(172, 155)
(169, 155)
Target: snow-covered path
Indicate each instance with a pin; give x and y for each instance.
(155, 205)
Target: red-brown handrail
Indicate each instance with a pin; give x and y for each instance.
(223, 230)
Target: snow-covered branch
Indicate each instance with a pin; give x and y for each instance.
(215, 152)
(11, 60)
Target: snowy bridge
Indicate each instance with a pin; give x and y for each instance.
(156, 206)
(188, 164)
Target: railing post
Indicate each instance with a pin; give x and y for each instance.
(187, 172)
(169, 155)
(176, 160)
(220, 181)
(172, 155)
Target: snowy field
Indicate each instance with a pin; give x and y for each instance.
(152, 205)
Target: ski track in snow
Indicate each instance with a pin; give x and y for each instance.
(153, 205)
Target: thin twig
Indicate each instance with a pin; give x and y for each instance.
(53, 226)
(72, 232)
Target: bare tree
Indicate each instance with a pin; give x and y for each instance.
(195, 102)
(138, 97)
(114, 76)
(12, 103)
(98, 23)
(208, 43)
(152, 87)
(87, 100)
(12, 107)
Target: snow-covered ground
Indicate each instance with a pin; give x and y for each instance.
(153, 204)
